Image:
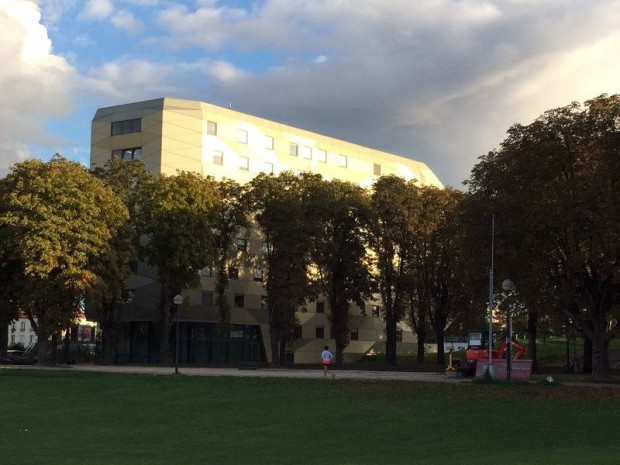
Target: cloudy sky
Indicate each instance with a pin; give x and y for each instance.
(439, 81)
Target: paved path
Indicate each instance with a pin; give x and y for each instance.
(274, 373)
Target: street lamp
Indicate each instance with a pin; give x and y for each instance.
(508, 286)
(178, 300)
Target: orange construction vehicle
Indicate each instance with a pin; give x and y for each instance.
(478, 349)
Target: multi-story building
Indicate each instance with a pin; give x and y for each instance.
(171, 135)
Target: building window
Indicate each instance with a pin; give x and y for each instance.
(239, 300)
(233, 272)
(322, 155)
(320, 332)
(258, 274)
(354, 334)
(320, 307)
(127, 126)
(399, 335)
(342, 161)
(22, 326)
(205, 272)
(269, 142)
(207, 298)
(361, 310)
(265, 247)
(293, 150)
(264, 305)
(242, 244)
(268, 167)
(376, 310)
(377, 169)
(212, 128)
(129, 295)
(306, 152)
(243, 136)
(133, 153)
(244, 163)
(218, 157)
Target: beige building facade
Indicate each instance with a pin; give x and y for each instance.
(171, 135)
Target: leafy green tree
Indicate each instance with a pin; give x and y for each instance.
(232, 223)
(556, 183)
(436, 267)
(124, 178)
(396, 207)
(340, 252)
(176, 220)
(282, 208)
(56, 220)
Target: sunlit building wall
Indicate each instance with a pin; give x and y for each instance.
(171, 135)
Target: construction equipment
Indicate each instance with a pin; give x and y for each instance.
(478, 349)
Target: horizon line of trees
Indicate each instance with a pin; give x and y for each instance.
(553, 188)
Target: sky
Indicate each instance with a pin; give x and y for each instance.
(439, 81)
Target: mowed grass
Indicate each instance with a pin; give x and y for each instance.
(64, 417)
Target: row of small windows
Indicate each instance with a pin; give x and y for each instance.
(127, 126)
(135, 125)
(294, 149)
(306, 152)
(233, 273)
(133, 153)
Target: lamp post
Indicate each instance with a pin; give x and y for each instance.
(178, 300)
(490, 368)
(508, 286)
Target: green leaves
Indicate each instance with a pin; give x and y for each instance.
(55, 221)
(555, 188)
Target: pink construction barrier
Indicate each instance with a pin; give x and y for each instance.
(520, 369)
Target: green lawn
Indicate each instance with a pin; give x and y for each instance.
(63, 417)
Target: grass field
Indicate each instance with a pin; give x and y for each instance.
(61, 417)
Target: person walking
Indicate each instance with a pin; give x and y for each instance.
(327, 356)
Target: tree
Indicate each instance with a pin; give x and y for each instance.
(56, 220)
(124, 178)
(176, 220)
(437, 267)
(231, 222)
(281, 206)
(556, 183)
(339, 252)
(395, 205)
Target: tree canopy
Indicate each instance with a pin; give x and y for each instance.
(556, 189)
(176, 222)
(55, 221)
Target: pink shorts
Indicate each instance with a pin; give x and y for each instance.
(325, 362)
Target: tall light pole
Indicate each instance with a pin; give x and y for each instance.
(508, 286)
(178, 300)
(491, 369)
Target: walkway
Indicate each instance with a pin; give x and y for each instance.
(277, 373)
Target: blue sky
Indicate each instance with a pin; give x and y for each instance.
(438, 81)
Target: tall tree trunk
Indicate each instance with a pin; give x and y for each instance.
(110, 329)
(390, 337)
(587, 354)
(421, 335)
(164, 322)
(440, 335)
(274, 339)
(4, 336)
(532, 326)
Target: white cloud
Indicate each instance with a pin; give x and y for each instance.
(97, 10)
(126, 21)
(35, 82)
(438, 80)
